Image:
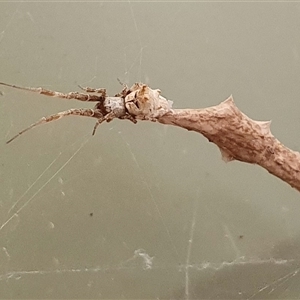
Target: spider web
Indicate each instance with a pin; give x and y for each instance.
(121, 214)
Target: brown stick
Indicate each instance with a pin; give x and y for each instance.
(240, 138)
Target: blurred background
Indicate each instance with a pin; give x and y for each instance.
(146, 211)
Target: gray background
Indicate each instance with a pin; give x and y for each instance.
(170, 220)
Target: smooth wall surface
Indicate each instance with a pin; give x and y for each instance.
(146, 211)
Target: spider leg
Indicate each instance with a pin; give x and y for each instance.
(85, 112)
(71, 95)
(109, 117)
(99, 121)
(93, 90)
(129, 117)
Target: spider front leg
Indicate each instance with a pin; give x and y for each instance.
(84, 112)
(71, 95)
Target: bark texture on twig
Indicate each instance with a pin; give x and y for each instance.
(240, 138)
(237, 136)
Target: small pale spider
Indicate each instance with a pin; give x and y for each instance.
(106, 109)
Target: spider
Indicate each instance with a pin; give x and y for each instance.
(106, 109)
